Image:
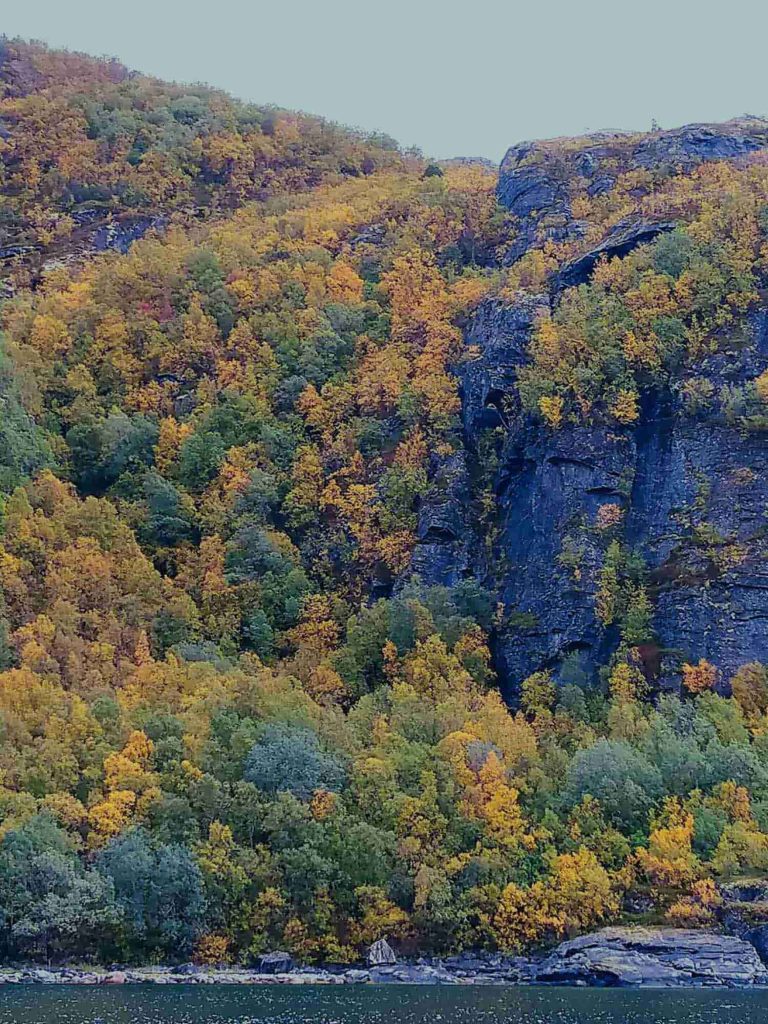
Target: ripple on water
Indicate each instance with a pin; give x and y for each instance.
(187, 1004)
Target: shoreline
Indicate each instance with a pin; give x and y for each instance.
(140, 977)
(634, 957)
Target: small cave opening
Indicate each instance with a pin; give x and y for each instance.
(498, 401)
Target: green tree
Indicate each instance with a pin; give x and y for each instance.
(290, 759)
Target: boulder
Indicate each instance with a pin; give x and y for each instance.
(653, 957)
(40, 976)
(381, 954)
(355, 976)
(277, 962)
(187, 969)
(480, 967)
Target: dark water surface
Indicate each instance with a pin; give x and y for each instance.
(387, 1004)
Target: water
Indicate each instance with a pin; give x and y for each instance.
(273, 1004)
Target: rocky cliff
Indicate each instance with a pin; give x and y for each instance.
(689, 483)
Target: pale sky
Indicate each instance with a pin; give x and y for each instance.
(454, 78)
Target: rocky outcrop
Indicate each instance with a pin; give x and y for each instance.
(412, 974)
(496, 342)
(548, 493)
(539, 180)
(758, 937)
(620, 241)
(744, 912)
(119, 234)
(535, 189)
(95, 232)
(548, 489)
(653, 957)
(444, 538)
(691, 489)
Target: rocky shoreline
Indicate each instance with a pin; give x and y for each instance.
(612, 957)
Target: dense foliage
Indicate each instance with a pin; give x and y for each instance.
(648, 319)
(223, 728)
(80, 137)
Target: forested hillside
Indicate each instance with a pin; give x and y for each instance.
(269, 392)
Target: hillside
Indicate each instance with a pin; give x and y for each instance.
(381, 543)
(95, 155)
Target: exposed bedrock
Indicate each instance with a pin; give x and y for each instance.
(690, 491)
(694, 497)
(653, 958)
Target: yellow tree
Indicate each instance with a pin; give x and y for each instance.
(669, 860)
(494, 802)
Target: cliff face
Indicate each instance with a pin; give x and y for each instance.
(538, 181)
(692, 488)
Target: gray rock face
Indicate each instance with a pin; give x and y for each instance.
(534, 188)
(497, 341)
(693, 491)
(758, 937)
(548, 488)
(381, 954)
(447, 544)
(653, 957)
(444, 536)
(744, 912)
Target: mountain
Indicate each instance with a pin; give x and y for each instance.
(381, 541)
